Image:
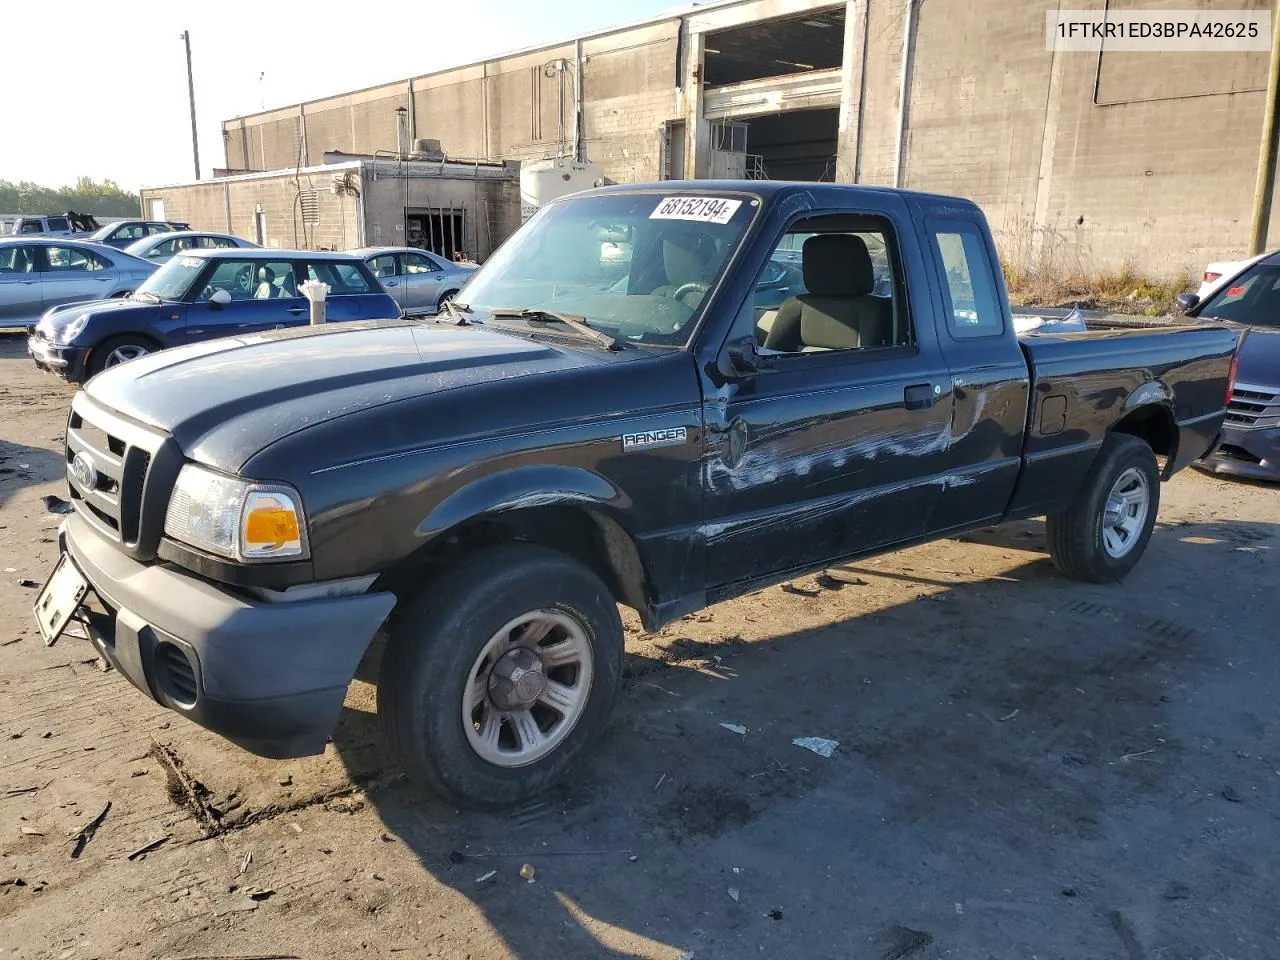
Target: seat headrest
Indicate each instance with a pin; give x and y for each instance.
(837, 265)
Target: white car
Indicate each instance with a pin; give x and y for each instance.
(1216, 274)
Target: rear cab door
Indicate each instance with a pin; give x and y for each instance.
(837, 443)
(989, 378)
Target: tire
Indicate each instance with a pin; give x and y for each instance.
(1084, 542)
(114, 350)
(445, 298)
(434, 658)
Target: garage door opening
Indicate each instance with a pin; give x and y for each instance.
(775, 48)
(439, 231)
(799, 145)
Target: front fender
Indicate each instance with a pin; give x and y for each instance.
(522, 488)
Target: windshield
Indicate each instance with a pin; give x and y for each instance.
(1252, 298)
(636, 266)
(173, 280)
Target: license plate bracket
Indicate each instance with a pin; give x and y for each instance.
(59, 598)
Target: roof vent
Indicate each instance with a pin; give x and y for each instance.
(426, 150)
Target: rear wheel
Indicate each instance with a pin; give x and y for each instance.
(500, 674)
(1103, 534)
(445, 298)
(118, 350)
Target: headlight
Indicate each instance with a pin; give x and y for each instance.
(235, 518)
(71, 330)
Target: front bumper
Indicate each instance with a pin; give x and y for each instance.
(68, 362)
(1245, 453)
(269, 677)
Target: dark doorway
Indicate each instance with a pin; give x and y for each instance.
(440, 231)
(799, 145)
(775, 48)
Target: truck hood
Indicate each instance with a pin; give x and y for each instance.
(1259, 363)
(225, 400)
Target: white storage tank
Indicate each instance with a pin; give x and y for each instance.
(542, 181)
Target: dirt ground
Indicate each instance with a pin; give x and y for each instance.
(1027, 767)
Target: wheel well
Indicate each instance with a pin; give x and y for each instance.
(1154, 424)
(594, 540)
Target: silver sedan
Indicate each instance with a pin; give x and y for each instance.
(420, 281)
(161, 246)
(37, 273)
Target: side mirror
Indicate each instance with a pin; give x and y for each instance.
(1187, 300)
(744, 357)
(219, 299)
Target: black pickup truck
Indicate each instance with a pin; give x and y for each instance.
(659, 430)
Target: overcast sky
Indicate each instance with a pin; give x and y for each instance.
(100, 88)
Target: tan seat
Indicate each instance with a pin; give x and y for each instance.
(839, 311)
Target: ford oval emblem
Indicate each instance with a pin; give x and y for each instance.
(85, 473)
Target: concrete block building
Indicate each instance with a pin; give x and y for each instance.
(1082, 161)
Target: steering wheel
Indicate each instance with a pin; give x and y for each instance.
(244, 279)
(693, 286)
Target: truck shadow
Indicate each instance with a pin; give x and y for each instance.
(996, 720)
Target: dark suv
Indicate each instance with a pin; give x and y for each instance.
(201, 295)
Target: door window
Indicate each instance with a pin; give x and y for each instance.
(342, 278)
(17, 260)
(384, 267)
(418, 263)
(973, 307)
(58, 223)
(831, 284)
(1253, 298)
(72, 260)
(154, 228)
(31, 226)
(217, 243)
(162, 251)
(251, 280)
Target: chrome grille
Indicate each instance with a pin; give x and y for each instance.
(1253, 408)
(115, 456)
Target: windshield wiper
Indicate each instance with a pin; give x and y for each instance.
(457, 313)
(577, 324)
(146, 295)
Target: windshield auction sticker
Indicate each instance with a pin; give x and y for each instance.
(701, 209)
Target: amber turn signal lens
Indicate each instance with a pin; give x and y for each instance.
(267, 525)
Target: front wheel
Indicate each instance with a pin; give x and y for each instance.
(499, 675)
(1101, 536)
(119, 350)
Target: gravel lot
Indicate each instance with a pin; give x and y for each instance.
(1027, 767)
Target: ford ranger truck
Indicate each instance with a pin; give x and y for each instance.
(580, 431)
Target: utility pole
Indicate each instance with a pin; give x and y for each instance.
(191, 93)
(1266, 182)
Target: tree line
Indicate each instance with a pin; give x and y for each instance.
(104, 198)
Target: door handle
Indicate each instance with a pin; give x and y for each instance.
(297, 311)
(392, 283)
(919, 396)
